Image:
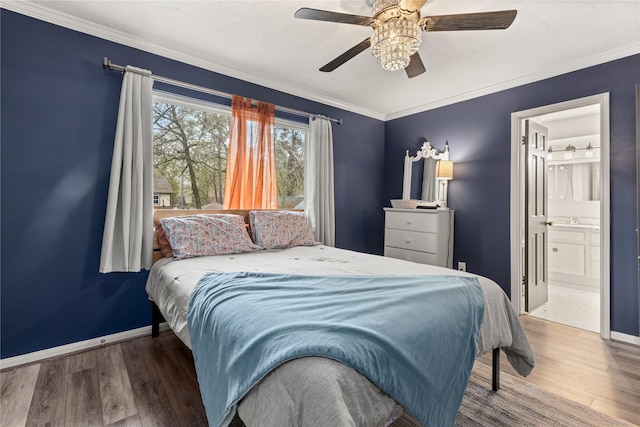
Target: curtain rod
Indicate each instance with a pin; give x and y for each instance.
(108, 65)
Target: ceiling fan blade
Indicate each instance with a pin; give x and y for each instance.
(412, 5)
(469, 21)
(360, 47)
(324, 15)
(415, 67)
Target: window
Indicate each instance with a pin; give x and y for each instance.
(156, 199)
(190, 142)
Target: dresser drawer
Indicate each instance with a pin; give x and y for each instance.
(412, 221)
(414, 256)
(411, 240)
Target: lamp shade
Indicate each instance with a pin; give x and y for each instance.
(444, 169)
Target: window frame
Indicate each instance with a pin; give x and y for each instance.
(210, 106)
(213, 107)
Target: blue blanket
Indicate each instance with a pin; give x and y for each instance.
(414, 337)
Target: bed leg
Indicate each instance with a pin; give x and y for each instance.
(495, 368)
(156, 318)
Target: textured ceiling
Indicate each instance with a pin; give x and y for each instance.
(261, 42)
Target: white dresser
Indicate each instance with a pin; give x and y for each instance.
(419, 235)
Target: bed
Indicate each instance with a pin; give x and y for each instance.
(341, 395)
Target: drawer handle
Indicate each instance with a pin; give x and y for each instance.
(408, 222)
(407, 240)
(555, 249)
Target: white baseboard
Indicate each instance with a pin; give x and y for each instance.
(75, 347)
(629, 339)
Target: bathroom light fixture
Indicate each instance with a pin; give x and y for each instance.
(569, 151)
(550, 155)
(589, 150)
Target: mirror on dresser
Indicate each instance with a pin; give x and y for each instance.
(431, 190)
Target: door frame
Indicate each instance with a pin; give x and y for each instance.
(517, 202)
(638, 185)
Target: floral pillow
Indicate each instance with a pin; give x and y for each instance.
(280, 229)
(200, 235)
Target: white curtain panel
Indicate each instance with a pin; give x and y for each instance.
(127, 242)
(319, 203)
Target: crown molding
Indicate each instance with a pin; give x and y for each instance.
(54, 17)
(601, 58)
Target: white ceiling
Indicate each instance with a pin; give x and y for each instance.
(261, 42)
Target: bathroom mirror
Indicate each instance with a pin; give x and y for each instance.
(429, 156)
(576, 181)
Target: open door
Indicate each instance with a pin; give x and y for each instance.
(535, 252)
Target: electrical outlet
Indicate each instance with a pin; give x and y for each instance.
(462, 266)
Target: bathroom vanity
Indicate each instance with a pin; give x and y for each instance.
(574, 254)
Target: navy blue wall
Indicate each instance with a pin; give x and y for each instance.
(58, 122)
(59, 111)
(479, 133)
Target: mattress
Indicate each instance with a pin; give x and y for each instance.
(171, 282)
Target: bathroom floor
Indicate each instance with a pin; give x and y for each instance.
(571, 305)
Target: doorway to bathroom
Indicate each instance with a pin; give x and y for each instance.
(560, 204)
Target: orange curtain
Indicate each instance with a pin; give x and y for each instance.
(251, 181)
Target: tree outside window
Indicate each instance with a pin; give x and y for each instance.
(190, 144)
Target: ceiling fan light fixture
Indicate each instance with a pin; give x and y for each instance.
(380, 5)
(393, 42)
(397, 29)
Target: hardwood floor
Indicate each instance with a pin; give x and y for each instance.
(143, 382)
(580, 366)
(152, 382)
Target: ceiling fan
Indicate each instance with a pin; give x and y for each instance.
(397, 27)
